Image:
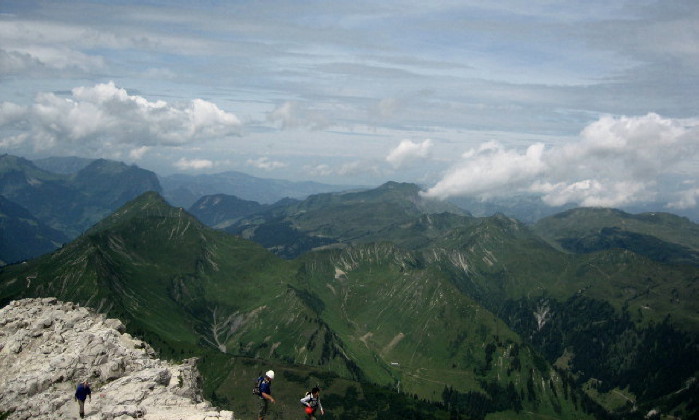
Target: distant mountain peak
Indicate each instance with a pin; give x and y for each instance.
(11, 163)
(147, 204)
(403, 186)
(104, 166)
(591, 211)
(6, 159)
(63, 164)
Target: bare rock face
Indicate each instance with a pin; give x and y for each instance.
(47, 347)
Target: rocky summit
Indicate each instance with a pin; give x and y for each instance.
(47, 347)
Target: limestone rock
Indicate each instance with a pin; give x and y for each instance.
(48, 346)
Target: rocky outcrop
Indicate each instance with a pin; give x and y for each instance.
(48, 346)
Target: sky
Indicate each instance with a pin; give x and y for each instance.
(594, 103)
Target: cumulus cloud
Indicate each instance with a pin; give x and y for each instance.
(193, 164)
(491, 168)
(104, 114)
(615, 161)
(266, 164)
(11, 113)
(685, 199)
(593, 193)
(408, 152)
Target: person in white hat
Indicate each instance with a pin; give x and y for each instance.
(266, 394)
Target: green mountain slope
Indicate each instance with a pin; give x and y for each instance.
(151, 264)
(220, 210)
(640, 283)
(374, 313)
(22, 236)
(182, 285)
(456, 310)
(500, 258)
(613, 317)
(338, 218)
(661, 236)
(350, 216)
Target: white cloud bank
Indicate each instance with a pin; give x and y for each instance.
(617, 161)
(408, 152)
(104, 116)
(184, 164)
(266, 163)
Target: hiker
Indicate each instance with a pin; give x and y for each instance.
(265, 394)
(81, 393)
(312, 403)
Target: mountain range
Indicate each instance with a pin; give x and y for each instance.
(413, 300)
(70, 194)
(71, 203)
(183, 190)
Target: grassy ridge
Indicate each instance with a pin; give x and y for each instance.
(584, 222)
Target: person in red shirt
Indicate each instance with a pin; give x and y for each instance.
(312, 403)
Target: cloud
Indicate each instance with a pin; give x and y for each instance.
(634, 147)
(46, 61)
(319, 170)
(107, 116)
(11, 113)
(615, 161)
(347, 169)
(13, 62)
(193, 164)
(687, 199)
(36, 46)
(387, 107)
(357, 167)
(13, 141)
(408, 152)
(490, 168)
(266, 164)
(139, 152)
(593, 193)
(292, 114)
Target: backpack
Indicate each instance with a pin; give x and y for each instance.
(256, 388)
